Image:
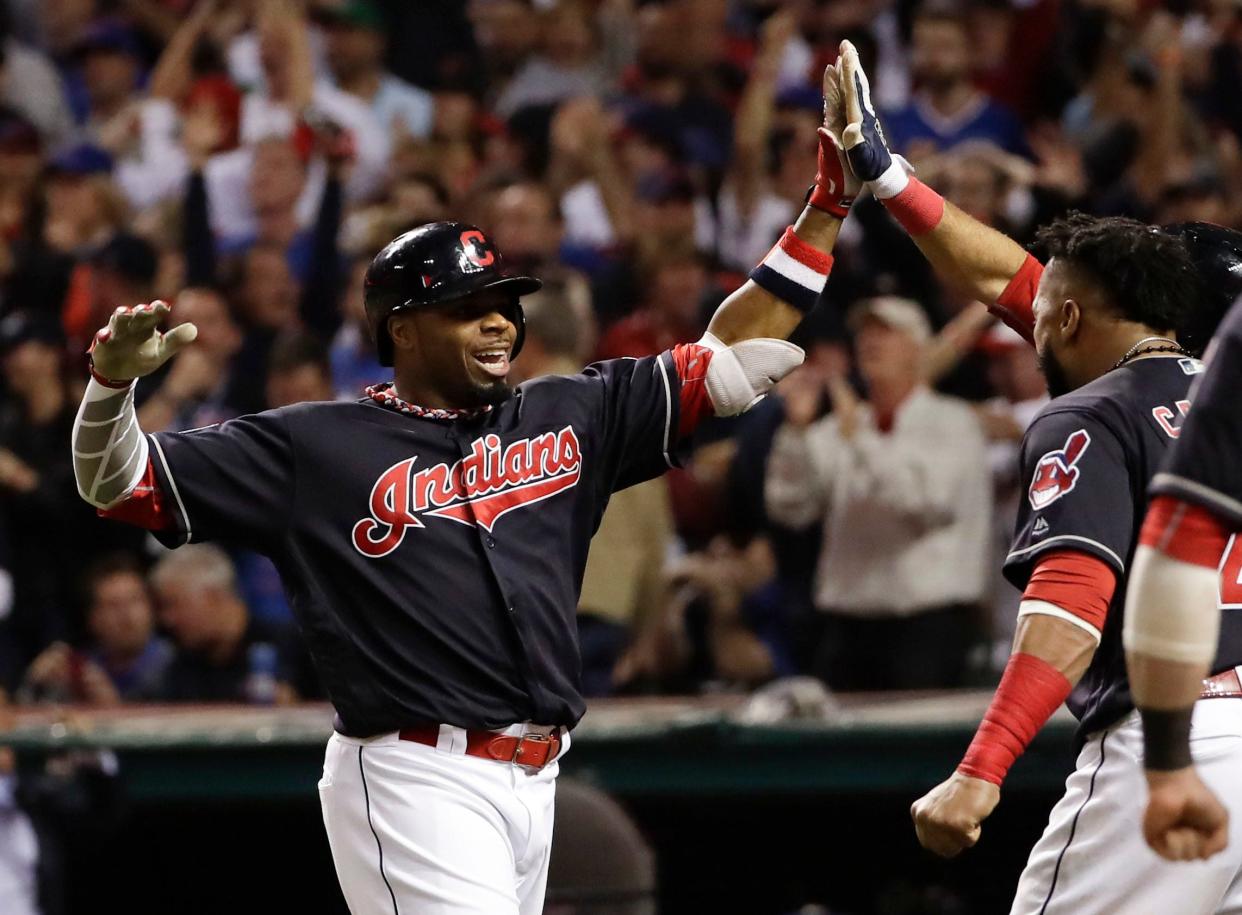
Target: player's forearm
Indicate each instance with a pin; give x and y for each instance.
(1064, 646)
(1172, 623)
(965, 253)
(1049, 656)
(756, 311)
(109, 448)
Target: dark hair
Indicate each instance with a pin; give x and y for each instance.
(105, 567)
(1147, 275)
(296, 349)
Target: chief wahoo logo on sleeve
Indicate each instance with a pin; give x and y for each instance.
(1057, 471)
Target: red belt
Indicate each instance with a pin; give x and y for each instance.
(1224, 685)
(533, 751)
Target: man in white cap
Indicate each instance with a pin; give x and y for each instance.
(900, 483)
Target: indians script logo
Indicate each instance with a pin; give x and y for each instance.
(1057, 471)
(480, 488)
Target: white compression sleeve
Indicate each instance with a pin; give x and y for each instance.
(1172, 610)
(109, 450)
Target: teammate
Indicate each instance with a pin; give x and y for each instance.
(1102, 316)
(1178, 592)
(432, 536)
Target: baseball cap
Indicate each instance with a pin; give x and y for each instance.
(107, 35)
(360, 14)
(23, 326)
(895, 312)
(80, 160)
(1000, 338)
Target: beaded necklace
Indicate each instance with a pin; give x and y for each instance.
(384, 395)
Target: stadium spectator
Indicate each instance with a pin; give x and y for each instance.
(947, 109)
(298, 371)
(899, 483)
(721, 623)
(123, 661)
(355, 43)
(203, 388)
(222, 654)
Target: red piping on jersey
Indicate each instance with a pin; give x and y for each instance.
(690, 362)
(1014, 305)
(1029, 692)
(1184, 531)
(145, 506)
(1078, 583)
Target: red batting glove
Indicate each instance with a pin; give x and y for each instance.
(835, 185)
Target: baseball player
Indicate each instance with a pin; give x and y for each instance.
(432, 535)
(1102, 316)
(1178, 591)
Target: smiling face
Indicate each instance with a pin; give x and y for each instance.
(456, 355)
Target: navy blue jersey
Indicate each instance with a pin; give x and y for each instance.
(433, 565)
(1087, 461)
(1205, 466)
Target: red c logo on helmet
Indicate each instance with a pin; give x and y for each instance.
(469, 239)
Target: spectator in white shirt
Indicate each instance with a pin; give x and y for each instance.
(900, 483)
(356, 42)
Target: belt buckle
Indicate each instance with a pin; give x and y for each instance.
(543, 739)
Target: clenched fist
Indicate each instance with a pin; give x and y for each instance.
(1184, 820)
(949, 818)
(131, 345)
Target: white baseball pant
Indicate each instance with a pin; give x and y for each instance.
(1092, 858)
(419, 830)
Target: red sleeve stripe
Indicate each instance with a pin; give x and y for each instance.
(805, 254)
(1076, 582)
(1030, 690)
(691, 362)
(1014, 305)
(145, 506)
(1184, 531)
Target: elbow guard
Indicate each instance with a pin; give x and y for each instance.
(740, 375)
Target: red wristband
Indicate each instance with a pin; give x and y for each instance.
(1029, 692)
(918, 209)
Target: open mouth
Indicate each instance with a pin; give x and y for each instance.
(494, 362)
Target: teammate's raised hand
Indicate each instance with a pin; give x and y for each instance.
(949, 818)
(1184, 821)
(131, 345)
(865, 145)
(836, 186)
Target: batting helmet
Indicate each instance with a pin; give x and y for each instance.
(1217, 255)
(434, 264)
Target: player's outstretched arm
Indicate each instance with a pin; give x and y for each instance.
(1170, 634)
(789, 281)
(1050, 654)
(964, 252)
(746, 336)
(109, 449)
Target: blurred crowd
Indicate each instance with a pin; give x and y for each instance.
(245, 159)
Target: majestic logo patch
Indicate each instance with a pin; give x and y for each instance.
(1040, 527)
(1057, 472)
(479, 489)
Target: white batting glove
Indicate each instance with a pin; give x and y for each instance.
(131, 346)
